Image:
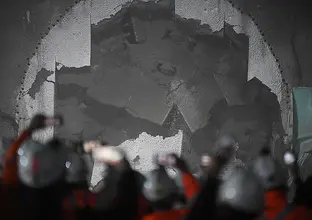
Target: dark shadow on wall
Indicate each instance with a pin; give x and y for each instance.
(253, 124)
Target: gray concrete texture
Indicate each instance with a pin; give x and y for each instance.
(125, 76)
(165, 82)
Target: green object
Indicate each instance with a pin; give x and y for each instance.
(302, 121)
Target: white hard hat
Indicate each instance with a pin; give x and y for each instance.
(269, 171)
(158, 185)
(40, 165)
(243, 192)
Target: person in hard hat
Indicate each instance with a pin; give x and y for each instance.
(240, 197)
(86, 202)
(10, 178)
(190, 185)
(302, 189)
(204, 206)
(274, 180)
(162, 193)
(41, 176)
(118, 194)
(226, 146)
(78, 201)
(41, 169)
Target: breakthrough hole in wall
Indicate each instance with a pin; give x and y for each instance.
(158, 73)
(179, 76)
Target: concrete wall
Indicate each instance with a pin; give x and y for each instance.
(262, 62)
(68, 42)
(19, 38)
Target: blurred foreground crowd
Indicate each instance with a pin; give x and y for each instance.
(51, 181)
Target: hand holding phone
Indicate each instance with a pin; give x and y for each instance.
(108, 154)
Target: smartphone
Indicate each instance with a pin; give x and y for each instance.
(166, 160)
(54, 121)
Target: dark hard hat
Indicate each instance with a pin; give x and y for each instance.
(40, 165)
(158, 185)
(242, 192)
(225, 141)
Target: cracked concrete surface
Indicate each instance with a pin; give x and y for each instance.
(69, 44)
(286, 27)
(130, 87)
(18, 42)
(115, 65)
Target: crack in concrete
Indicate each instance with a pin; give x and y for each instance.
(50, 81)
(175, 89)
(109, 115)
(129, 109)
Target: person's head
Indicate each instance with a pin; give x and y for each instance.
(226, 146)
(269, 171)
(240, 197)
(41, 165)
(159, 189)
(41, 170)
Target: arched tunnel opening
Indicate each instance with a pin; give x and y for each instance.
(149, 79)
